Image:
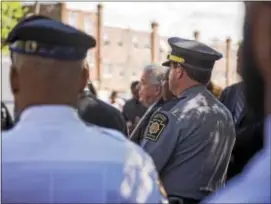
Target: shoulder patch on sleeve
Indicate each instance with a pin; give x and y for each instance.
(156, 126)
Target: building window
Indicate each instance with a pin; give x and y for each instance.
(107, 70)
(147, 44)
(88, 25)
(120, 43)
(121, 39)
(135, 41)
(90, 59)
(106, 39)
(72, 19)
(163, 46)
(122, 73)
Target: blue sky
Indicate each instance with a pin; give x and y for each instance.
(214, 20)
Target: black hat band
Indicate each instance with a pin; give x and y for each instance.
(48, 51)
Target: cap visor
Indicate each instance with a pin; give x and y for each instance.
(166, 64)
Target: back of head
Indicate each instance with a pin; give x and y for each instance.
(191, 62)
(134, 88)
(214, 89)
(113, 96)
(47, 62)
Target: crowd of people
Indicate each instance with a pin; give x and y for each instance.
(180, 139)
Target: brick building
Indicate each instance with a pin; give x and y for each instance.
(124, 52)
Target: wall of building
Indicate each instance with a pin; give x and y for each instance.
(124, 52)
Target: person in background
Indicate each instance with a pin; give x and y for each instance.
(191, 142)
(115, 100)
(133, 110)
(51, 155)
(150, 89)
(253, 184)
(6, 119)
(155, 94)
(94, 111)
(248, 125)
(214, 89)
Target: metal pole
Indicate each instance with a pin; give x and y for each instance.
(37, 8)
(99, 42)
(153, 37)
(228, 49)
(196, 35)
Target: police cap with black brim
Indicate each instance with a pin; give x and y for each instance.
(192, 54)
(48, 38)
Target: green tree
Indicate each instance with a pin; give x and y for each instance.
(11, 13)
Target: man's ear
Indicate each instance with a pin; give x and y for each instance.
(262, 37)
(158, 90)
(14, 80)
(179, 72)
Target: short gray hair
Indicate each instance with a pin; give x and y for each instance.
(156, 72)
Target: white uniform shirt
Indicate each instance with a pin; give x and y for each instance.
(51, 156)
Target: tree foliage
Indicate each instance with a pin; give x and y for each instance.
(11, 13)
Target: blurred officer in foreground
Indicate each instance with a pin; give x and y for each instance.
(248, 125)
(192, 142)
(153, 77)
(133, 109)
(51, 156)
(94, 111)
(6, 119)
(253, 184)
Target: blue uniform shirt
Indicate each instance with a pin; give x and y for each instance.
(253, 185)
(51, 156)
(191, 144)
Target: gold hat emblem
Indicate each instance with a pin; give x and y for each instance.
(31, 46)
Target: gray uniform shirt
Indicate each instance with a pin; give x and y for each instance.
(191, 144)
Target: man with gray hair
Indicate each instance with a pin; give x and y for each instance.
(150, 95)
(151, 84)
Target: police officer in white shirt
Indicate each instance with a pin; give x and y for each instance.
(51, 156)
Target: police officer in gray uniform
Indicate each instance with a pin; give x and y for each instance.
(192, 142)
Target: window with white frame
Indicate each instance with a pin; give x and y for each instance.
(122, 73)
(90, 59)
(88, 25)
(163, 46)
(122, 70)
(107, 69)
(135, 41)
(120, 42)
(72, 19)
(147, 43)
(106, 39)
